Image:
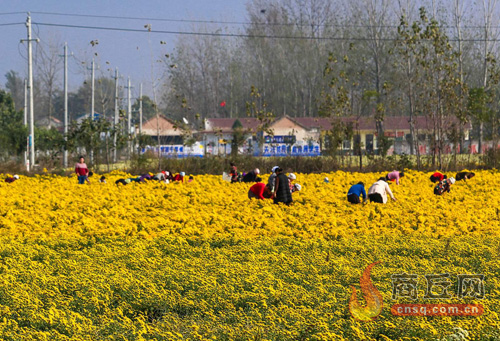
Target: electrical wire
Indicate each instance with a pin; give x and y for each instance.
(9, 13)
(143, 18)
(78, 64)
(13, 23)
(239, 35)
(194, 21)
(234, 22)
(20, 52)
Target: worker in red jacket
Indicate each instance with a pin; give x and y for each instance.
(437, 177)
(11, 179)
(179, 177)
(82, 171)
(259, 191)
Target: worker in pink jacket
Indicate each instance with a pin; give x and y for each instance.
(394, 176)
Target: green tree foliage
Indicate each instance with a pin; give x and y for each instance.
(483, 105)
(142, 141)
(258, 109)
(148, 109)
(336, 102)
(374, 105)
(13, 133)
(79, 101)
(332, 139)
(238, 137)
(95, 137)
(50, 141)
(478, 104)
(15, 86)
(432, 82)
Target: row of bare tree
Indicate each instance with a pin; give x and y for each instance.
(434, 58)
(322, 57)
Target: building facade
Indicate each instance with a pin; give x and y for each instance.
(287, 136)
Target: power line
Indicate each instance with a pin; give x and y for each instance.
(13, 23)
(9, 13)
(235, 22)
(194, 21)
(234, 35)
(239, 35)
(144, 18)
(20, 53)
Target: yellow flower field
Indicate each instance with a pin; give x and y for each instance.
(201, 261)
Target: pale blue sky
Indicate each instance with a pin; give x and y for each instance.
(129, 51)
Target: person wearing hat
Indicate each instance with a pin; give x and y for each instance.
(296, 188)
(272, 178)
(394, 176)
(282, 191)
(444, 186)
(379, 190)
(169, 177)
(355, 192)
(162, 176)
(11, 179)
(252, 176)
(159, 176)
(179, 177)
(437, 176)
(291, 178)
(81, 171)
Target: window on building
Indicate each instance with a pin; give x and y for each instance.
(357, 144)
(369, 142)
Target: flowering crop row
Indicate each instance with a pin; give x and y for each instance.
(49, 206)
(201, 261)
(264, 289)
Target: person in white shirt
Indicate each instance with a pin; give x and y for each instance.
(379, 190)
(162, 176)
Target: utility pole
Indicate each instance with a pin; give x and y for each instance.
(65, 156)
(92, 103)
(92, 109)
(140, 109)
(31, 139)
(129, 116)
(115, 123)
(25, 122)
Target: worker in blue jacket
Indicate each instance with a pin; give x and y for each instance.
(355, 192)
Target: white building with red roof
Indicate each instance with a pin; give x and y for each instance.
(305, 135)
